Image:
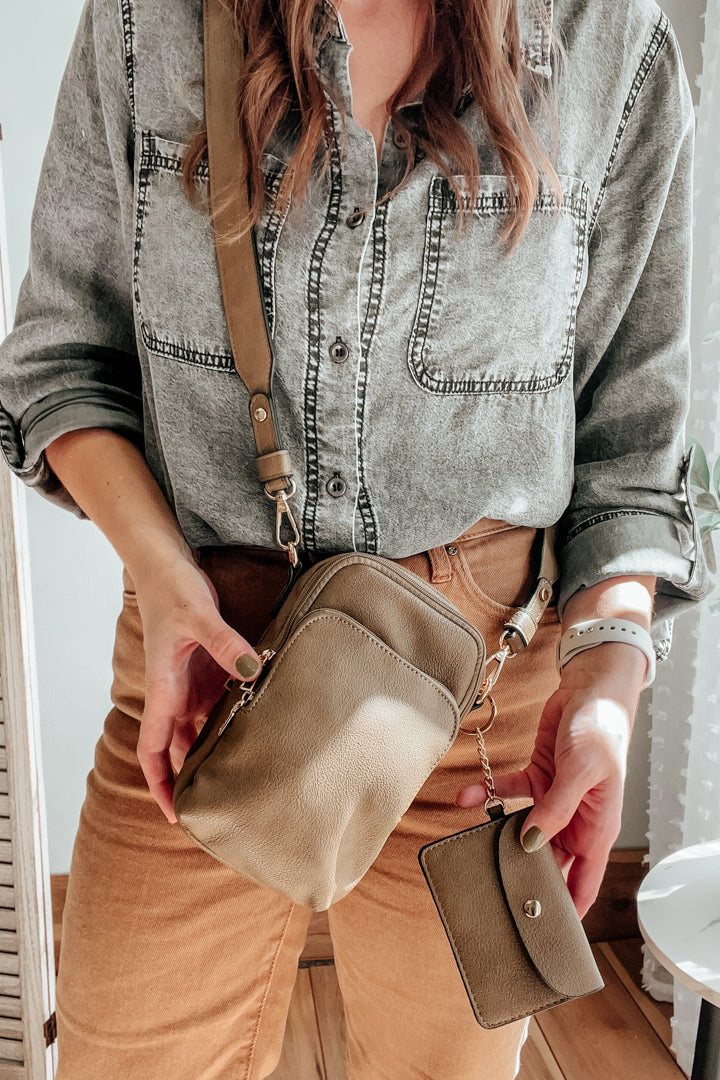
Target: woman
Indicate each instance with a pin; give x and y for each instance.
(455, 370)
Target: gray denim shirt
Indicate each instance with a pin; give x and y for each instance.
(421, 381)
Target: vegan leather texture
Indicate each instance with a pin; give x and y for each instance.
(512, 964)
(373, 672)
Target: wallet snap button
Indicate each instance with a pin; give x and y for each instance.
(532, 908)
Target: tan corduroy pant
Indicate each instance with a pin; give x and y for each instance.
(174, 966)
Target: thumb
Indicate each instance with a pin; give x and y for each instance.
(228, 648)
(553, 812)
(515, 785)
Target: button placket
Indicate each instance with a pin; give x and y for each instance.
(355, 218)
(336, 486)
(339, 351)
(333, 509)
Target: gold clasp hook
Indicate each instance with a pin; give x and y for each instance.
(499, 657)
(280, 498)
(493, 714)
(490, 679)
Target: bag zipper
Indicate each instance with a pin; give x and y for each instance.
(281, 634)
(249, 692)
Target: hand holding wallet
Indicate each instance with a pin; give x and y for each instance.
(511, 923)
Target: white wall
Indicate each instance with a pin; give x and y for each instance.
(75, 572)
(76, 575)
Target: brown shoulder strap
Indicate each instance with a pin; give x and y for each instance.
(237, 262)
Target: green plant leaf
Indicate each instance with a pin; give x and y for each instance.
(708, 547)
(706, 501)
(716, 476)
(699, 471)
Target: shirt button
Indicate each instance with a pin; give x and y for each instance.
(336, 486)
(339, 350)
(356, 218)
(398, 139)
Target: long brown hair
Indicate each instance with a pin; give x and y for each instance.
(477, 43)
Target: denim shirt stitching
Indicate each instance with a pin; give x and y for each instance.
(606, 515)
(441, 199)
(659, 37)
(314, 342)
(699, 568)
(128, 25)
(12, 445)
(152, 161)
(268, 246)
(377, 289)
(380, 428)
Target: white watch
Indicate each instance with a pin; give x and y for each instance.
(584, 635)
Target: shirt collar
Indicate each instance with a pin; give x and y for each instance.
(534, 22)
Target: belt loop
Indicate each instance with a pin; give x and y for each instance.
(440, 565)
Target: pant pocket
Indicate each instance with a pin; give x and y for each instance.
(500, 568)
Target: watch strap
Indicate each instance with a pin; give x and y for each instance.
(591, 632)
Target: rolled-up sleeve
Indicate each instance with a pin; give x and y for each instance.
(630, 511)
(70, 360)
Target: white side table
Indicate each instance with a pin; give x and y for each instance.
(678, 908)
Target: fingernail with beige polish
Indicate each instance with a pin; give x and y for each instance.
(533, 838)
(247, 666)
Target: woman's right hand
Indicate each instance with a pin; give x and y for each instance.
(189, 653)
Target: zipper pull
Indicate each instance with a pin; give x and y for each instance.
(249, 693)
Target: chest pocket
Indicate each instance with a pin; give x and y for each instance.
(486, 323)
(175, 273)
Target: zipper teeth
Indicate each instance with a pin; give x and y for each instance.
(310, 579)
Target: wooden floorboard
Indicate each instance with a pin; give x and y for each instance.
(606, 1034)
(302, 1052)
(331, 1019)
(626, 961)
(537, 1061)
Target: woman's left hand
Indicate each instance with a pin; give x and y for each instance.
(576, 774)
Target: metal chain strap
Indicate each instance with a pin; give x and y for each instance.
(492, 795)
(487, 775)
(499, 657)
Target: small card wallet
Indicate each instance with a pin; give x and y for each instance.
(514, 931)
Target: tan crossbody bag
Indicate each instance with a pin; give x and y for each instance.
(368, 672)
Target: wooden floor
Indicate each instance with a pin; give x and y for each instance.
(620, 1032)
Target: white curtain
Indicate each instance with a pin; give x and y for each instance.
(683, 701)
